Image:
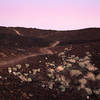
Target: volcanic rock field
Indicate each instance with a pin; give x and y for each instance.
(37, 64)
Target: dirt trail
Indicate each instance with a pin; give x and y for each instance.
(54, 44)
(17, 32)
(42, 51)
(47, 49)
(18, 59)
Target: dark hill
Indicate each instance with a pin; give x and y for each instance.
(37, 64)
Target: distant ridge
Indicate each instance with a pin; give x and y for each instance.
(88, 34)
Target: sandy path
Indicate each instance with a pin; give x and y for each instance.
(42, 51)
(17, 32)
(54, 44)
(17, 59)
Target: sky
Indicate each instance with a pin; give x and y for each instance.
(50, 14)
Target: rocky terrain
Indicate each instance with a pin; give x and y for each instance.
(40, 64)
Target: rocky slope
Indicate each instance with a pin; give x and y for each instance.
(49, 65)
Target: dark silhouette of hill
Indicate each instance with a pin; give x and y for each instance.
(37, 64)
(44, 37)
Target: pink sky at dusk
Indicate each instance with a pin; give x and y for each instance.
(50, 14)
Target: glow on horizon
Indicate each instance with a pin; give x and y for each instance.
(50, 14)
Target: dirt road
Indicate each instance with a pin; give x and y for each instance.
(42, 51)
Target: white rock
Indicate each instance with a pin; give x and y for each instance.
(9, 69)
(75, 72)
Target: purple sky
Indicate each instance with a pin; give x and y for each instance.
(50, 14)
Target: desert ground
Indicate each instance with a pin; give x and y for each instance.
(37, 64)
